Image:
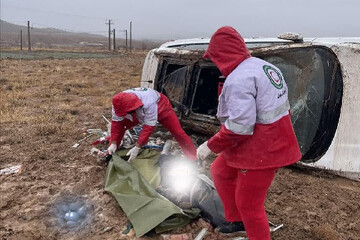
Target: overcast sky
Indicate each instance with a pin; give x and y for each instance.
(170, 19)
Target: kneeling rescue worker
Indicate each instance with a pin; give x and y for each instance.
(145, 106)
(256, 136)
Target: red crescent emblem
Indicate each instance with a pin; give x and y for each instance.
(276, 79)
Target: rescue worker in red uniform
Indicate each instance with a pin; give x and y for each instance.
(256, 136)
(145, 106)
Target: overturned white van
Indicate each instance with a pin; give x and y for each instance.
(323, 77)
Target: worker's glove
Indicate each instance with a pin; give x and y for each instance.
(200, 164)
(203, 151)
(133, 153)
(112, 148)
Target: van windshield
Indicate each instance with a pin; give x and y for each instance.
(315, 86)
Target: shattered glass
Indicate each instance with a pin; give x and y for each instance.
(304, 71)
(174, 84)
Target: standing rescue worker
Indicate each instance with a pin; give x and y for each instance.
(145, 106)
(256, 136)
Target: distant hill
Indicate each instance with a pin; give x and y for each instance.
(55, 38)
(6, 27)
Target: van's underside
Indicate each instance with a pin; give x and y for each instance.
(312, 74)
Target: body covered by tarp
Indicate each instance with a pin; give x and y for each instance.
(145, 208)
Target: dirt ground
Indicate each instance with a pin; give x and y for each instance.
(45, 107)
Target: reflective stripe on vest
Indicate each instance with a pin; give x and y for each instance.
(151, 122)
(238, 128)
(115, 117)
(270, 116)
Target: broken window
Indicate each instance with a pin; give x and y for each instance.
(171, 68)
(172, 81)
(315, 88)
(208, 85)
(174, 85)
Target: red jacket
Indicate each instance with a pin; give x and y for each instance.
(256, 131)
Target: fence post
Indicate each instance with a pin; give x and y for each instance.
(114, 45)
(130, 35)
(109, 47)
(126, 41)
(29, 42)
(21, 41)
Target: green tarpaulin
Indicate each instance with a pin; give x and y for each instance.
(133, 186)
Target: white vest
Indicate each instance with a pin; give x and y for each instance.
(148, 113)
(254, 92)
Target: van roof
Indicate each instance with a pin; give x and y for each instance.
(202, 43)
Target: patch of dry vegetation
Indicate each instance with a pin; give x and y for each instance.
(45, 105)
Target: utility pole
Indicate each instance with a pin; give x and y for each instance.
(126, 40)
(130, 34)
(109, 23)
(21, 40)
(29, 43)
(114, 45)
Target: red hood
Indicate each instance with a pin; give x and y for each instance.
(124, 103)
(227, 49)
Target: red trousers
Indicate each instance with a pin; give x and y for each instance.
(243, 194)
(172, 124)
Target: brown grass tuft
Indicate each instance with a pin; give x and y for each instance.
(325, 232)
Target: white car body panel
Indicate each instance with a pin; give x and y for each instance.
(343, 155)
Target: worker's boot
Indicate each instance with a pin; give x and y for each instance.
(231, 227)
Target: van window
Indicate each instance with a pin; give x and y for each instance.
(171, 68)
(209, 83)
(165, 77)
(174, 85)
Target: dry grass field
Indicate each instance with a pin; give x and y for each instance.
(45, 107)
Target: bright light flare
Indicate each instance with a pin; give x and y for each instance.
(181, 175)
